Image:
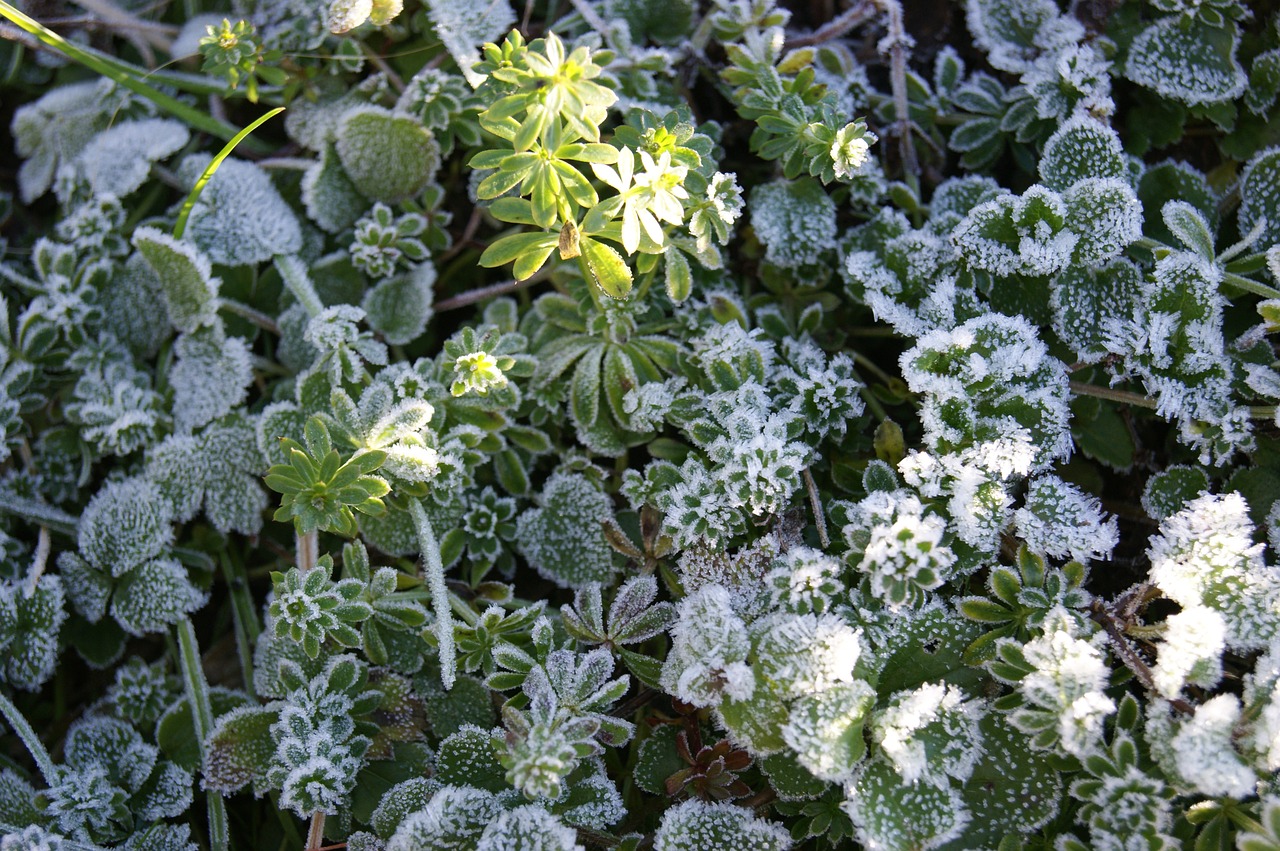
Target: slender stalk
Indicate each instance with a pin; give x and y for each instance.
(197, 691)
(896, 44)
(294, 275)
(482, 293)
(1130, 657)
(37, 512)
(112, 71)
(39, 562)
(1124, 397)
(439, 592)
(815, 503)
(243, 617)
(315, 833)
(244, 311)
(856, 14)
(35, 747)
(308, 544)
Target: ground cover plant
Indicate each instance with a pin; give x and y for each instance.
(639, 424)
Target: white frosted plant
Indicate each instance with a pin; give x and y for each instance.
(1260, 198)
(1198, 753)
(899, 547)
(116, 408)
(239, 217)
(930, 734)
(709, 648)
(210, 377)
(217, 471)
(1205, 556)
(53, 130)
(1188, 58)
(1191, 651)
(118, 160)
(563, 537)
(698, 826)
(796, 221)
(806, 580)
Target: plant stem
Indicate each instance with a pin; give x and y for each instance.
(39, 562)
(244, 311)
(315, 834)
(193, 117)
(815, 503)
(308, 547)
(197, 691)
(294, 274)
(1130, 657)
(492, 291)
(896, 44)
(35, 747)
(35, 511)
(243, 616)
(1124, 397)
(439, 592)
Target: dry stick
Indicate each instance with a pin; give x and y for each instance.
(43, 544)
(381, 64)
(1130, 657)
(856, 14)
(818, 519)
(492, 291)
(112, 13)
(308, 550)
(896, 44)
(589, 14)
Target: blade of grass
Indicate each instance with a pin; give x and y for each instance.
(197, 690)
(112, 70)
(212, 167)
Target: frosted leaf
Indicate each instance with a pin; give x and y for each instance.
(1014, 32)
(806, 580)
(1060, 521)
(240, 218)
(113, 744)
(185, 275)
(116, 408)
(400, 307)
(219, 469)
(51, 131)
(795, 219)
(161, 837)
(825, 729)
(126, 524)
(528, 828)
(210, 377)
(1107, 216)
(1075, 79)
(1017, 235)
(1169, 491)
(890, 813)
(593, 801)
(141, 692)
(955, 197)
(1191, 651)
(133, 307)
(806, 654)
(900, 548)
(84, 802)
(463, 27)
(1082, 148)
(740, 571)
(698, 826)
(1188, 61)
(1174, 181)
(330, 198)
(1260, 196)
(563, 539)
(33, 838)
(388, 157)
(30, 631)
(1085, 300)
(154, 596)
(709, 647)
(1205, 556)
(930, 734)
(1124, 807)
(1202, 750)
(118, 160)
(986, 378)
(1189, 226)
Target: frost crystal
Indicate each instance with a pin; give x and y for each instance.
(1191, 652)
(698, 826)
(930, 734)
(709, 647)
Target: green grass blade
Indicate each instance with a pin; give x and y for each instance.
(197, 690)
(212, 167)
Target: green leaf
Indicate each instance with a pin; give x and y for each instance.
(609, 271)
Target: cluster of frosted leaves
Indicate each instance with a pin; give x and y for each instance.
(1060, 521)
(239, 218)
(1076, 78)
(699, 826)
(124, 561)
(1014, 33)
(805, 580)
(889, 813)
(930, 734)
(1174, 343)
(823, 392)
(1188, 59)
(899, 547)
(116, 408)
(988, 378)
(52, 131)
(111, 783)
(563, 538)
(462, 816)
(217, 471)
(908, 277)
(1198, 753)
(318, 750)
(1205, 556)
(118, 160)
(31, 619)
(794, 219)
(1061, 677)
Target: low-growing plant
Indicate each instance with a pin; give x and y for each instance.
(359, 488)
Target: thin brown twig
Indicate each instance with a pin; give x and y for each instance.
(482, 293)
(856, 14)
(896, 44)
(1129, 656)
(815, 503)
